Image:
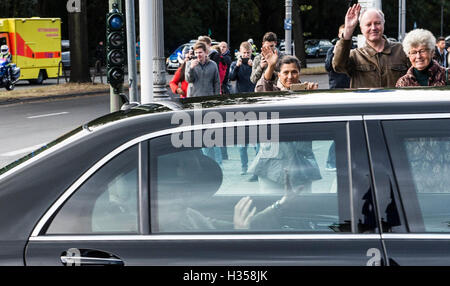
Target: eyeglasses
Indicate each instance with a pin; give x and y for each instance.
(420, 52)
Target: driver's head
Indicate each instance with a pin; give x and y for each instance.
(4, 49)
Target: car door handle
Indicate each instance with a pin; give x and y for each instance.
(86, 257)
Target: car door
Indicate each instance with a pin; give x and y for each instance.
(188, 214)
(323, 225)
(418, 147)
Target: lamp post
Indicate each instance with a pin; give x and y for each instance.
(288, 28)
(146, 39)
(442, 18)
(228, 23)
(159, 73)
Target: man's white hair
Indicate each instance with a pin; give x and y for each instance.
(418, 37)
(370, 10)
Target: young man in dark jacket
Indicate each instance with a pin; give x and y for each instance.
(241, 70)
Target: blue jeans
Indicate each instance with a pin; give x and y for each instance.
(244, 156)
(214, 153)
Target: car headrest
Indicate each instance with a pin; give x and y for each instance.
(188, 172)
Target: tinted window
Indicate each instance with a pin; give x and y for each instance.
(421, 155)
(297, 184)
(105, 203)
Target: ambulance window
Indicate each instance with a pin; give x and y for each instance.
(2, 41)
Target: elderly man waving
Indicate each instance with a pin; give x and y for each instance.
(380, 63)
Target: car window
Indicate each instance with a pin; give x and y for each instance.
(203, 189)
(420, 150)
(105, 203)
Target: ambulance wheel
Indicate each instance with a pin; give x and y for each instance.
(40, 78)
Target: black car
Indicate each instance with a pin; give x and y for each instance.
(350, 178)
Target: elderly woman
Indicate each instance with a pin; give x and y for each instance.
(289, 67)
(419, 46)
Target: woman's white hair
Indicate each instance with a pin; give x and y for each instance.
(419, 37)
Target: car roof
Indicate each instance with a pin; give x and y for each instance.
(348, 101)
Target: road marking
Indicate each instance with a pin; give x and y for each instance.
(47, 115)
(22, 151)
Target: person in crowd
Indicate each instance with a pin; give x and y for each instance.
(380, 63)
(440, 53)
(289, 67)
(226, 54)
(203, 77)
(424, 71)
(179, 76)
(259, 62)
(100, 53)
(336, 80)
(202, 73)
(212, 54)
(222, 66)
(240, 71)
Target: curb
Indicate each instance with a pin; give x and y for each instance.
(10, 100)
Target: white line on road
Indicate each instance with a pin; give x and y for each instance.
(22, 151)
(47, 115)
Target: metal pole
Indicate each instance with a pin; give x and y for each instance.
(403, 18)
(442, 18)
(159, 79)
(400, 20)
(131, 41)
(145, 35)
(288, 30)
(114, 94)
(228, 24)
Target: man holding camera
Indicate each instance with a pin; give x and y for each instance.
(241, 70)
(202, 73)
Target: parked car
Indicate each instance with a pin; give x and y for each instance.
(354, 41)
(317, 48)
(173, 63)
(135, 188)
(65, 54)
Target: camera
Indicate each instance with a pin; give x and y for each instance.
(245, 60)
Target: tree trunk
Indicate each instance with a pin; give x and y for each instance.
(298, 32)
(79, 45)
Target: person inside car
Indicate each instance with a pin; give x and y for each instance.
(424, 71)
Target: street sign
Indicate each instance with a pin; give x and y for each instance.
(288, 24)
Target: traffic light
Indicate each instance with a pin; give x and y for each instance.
(115, 47)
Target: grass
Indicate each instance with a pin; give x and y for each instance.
(60, 89)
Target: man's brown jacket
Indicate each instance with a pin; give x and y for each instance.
(367, 68)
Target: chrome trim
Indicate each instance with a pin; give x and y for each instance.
(207, 237)
(421, 236)
(406, 116)
(137, 140)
